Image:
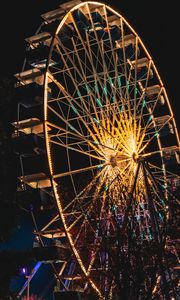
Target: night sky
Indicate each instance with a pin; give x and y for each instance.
(157, 23)
(158, 27)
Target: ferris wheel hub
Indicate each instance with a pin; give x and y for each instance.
(135, 156)
(113, 161)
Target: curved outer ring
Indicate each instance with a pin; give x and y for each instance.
(57, 198)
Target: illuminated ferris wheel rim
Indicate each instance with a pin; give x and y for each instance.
(134, 156)
(62, 22)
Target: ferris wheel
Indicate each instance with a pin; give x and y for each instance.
(97, 101)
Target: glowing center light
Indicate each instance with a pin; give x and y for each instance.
(120, 150)
(110, 152)
(116, 154)
(132, 146)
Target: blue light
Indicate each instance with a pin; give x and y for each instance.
(23, 271)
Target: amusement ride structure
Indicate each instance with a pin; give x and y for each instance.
(98, 142)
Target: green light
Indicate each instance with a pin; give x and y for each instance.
(110, 80)
(105, 90)
(119, 80)
(106, 188)
(79, 94)
(74, 109)
(144, 103)
(99, 102)
(141, 205)
(122, 109)
(162, 201)
(149, 234)
(150, 237)
(88, 89)
(161, 217)
(100, 166)
(70, 126)
(150, 118)
(96, 120)
(114, 207)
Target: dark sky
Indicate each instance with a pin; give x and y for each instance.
(156, 21)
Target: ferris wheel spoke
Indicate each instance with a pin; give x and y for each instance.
(124, 170)
(66, 146)
(96, 55)
(100, 108)
(98, 96)
(94, 102)
(111, 45)
(154, 106)
(144, 88)
(135, 84)
(72, 172)
(158, 195)
(88, 53)
(125, 68)
(97, 79)
(69, 58)
(79, 138)
(151, 153)
(83, 194)
(93, 145)
(63, 131)
(141, 105)
(157, 132)
(75, 84)
(155, 135)
(90, 209)
(150, 123)
(104, 64)
(93, 121)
